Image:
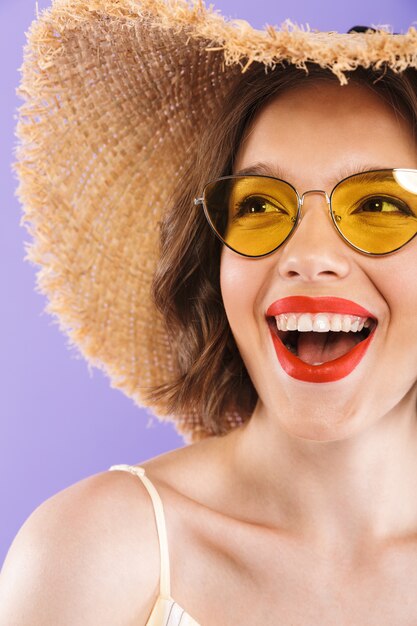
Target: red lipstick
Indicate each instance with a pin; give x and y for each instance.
(322, 304)
(331, 370)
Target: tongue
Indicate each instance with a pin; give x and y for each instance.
(322, 347)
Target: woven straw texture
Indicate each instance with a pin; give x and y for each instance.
(116, 94)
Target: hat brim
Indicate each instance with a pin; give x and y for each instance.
(116, 96)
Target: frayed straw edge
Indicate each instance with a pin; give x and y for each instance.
(242, 44)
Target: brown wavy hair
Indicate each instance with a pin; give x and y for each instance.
(211, 378)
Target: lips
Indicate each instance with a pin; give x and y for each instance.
(331, 370)
(322, 304)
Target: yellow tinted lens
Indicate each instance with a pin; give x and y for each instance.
(253, 215)
(377, 211)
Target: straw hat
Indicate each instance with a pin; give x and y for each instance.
(116, 94)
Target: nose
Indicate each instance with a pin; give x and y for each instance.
(315, 251)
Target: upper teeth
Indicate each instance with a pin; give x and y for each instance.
(321, 322)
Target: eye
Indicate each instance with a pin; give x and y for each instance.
(384, 204)
(255, 205)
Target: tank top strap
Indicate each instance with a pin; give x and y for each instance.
(164, 581)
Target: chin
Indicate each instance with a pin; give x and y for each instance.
(319, 427)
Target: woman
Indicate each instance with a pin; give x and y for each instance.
(295, 503)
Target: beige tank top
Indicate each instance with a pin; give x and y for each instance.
(166, 611)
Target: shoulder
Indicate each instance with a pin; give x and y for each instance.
(89, 554)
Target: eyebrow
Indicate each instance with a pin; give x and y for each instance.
(266, 169)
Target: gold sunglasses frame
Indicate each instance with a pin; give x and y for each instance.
(298, 217)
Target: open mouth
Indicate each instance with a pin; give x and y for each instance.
(317, 348)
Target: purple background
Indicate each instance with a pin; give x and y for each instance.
(58, 424)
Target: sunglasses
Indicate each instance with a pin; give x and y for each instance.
(375, 212)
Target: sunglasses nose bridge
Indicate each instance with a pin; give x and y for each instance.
(315, 191)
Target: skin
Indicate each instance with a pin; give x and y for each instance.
(335, 463)
(307, 514)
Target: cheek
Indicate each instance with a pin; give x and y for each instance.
(395, 277)
(402, 301)
(240, 283)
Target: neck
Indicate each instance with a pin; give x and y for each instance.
(345, 491)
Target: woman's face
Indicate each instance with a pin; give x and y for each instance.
(316, 135)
